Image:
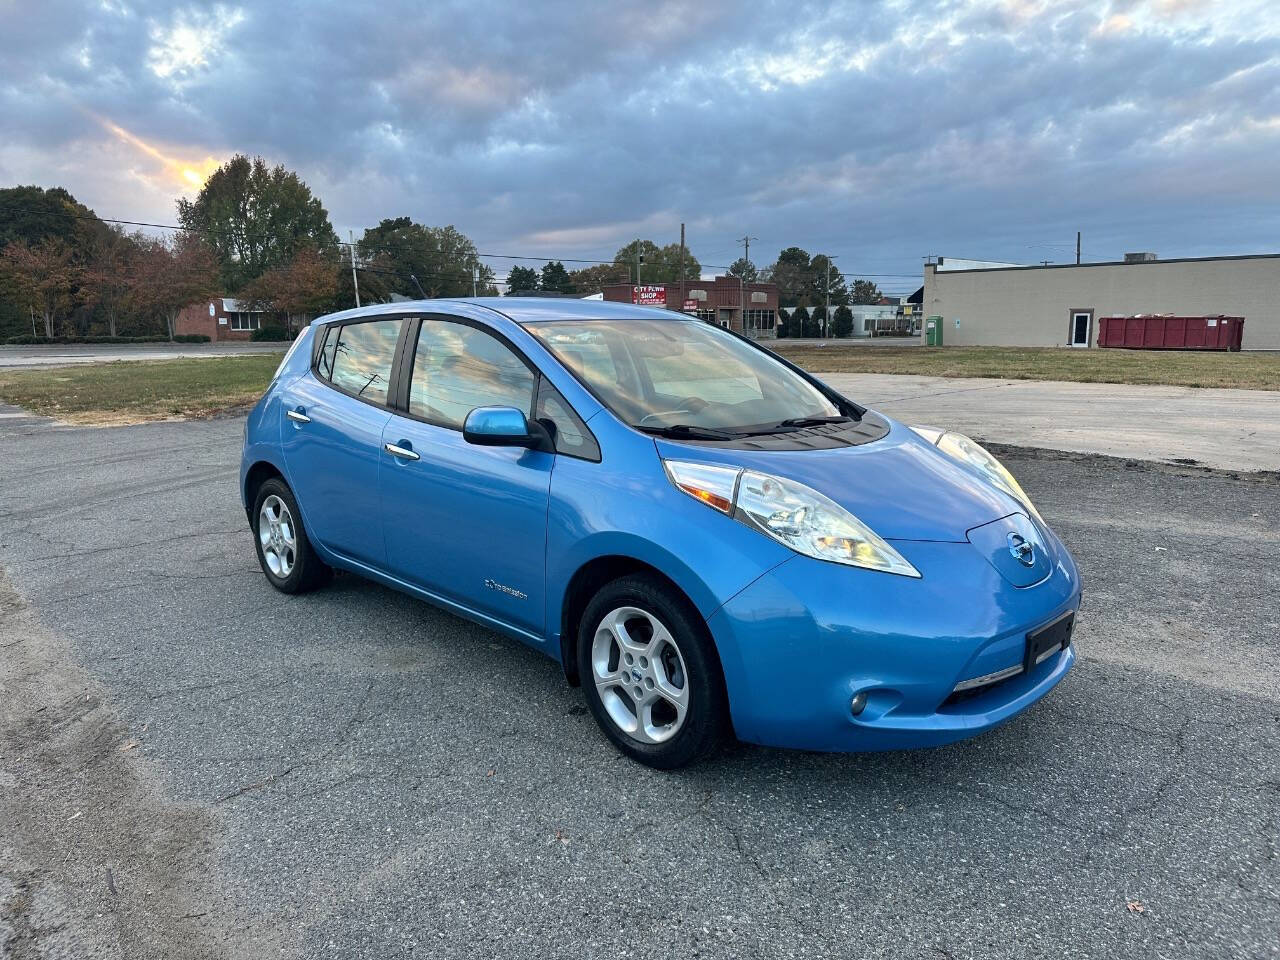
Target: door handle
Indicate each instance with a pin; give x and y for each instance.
(402, 452)
(297, 415)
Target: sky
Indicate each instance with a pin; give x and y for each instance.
(880, 133)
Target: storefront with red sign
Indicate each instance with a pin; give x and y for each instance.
(750, 308)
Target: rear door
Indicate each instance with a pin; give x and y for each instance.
(332, 436)
(466, 522)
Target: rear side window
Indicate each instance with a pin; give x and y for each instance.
(457, 368)
(357, 358)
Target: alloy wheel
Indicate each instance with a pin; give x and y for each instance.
(640, 675)
(278, 537)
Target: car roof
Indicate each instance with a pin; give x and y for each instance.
(518, 309)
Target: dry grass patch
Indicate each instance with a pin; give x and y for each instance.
(1248, 371)
(107, 394)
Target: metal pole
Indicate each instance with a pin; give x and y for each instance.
(1077, 248)
(355, 281)
(826, 313)
(682, 266)
(475, 271)
(742, 303)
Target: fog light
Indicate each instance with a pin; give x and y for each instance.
(858, 703)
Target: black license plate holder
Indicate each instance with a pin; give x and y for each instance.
(1048, 640)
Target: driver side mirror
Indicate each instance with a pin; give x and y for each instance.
(504, 427)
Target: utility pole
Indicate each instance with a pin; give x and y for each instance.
(475, 275)
(639, 260)
(1077, 248)
(682, 266)
(355, 281)
(826, 320)
(742, 296)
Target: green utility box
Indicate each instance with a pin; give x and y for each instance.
(933, 331)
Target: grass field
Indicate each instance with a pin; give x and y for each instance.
(1249, 371)
(133, 391)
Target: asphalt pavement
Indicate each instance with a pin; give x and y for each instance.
(1212, 427)
(194, 765)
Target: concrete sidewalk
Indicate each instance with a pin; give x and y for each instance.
(62, 355)
(1225, 429)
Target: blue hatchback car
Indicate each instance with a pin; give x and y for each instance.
(707, 538)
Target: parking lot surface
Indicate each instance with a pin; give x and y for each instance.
(1223, 429)
(194, 765)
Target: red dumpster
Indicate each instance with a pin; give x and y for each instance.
(1171, 333)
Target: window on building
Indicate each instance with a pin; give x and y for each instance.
(245, 321)
(759, 320)
(457, 368)
(707, 316)
(361, 360)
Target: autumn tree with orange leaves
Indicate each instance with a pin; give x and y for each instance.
(44, 274)
(171, 275)
(301, 289)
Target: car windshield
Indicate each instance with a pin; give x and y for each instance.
(685, 377)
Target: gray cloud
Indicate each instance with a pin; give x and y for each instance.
(878, 131)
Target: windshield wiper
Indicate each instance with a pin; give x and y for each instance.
(811, 421)
(686, 431)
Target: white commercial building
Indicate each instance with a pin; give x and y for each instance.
(1060, 304)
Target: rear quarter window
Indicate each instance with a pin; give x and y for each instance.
(357, 358)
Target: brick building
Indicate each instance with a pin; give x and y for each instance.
(720, 300)
(221, 318)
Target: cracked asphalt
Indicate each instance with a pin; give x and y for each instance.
(194, 765)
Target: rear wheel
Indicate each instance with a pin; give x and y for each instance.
(284, 552)
(650, 674)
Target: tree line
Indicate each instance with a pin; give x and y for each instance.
(259, 234)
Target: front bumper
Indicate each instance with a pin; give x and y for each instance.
(802, 640)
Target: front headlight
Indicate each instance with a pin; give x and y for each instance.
(796, 516)
(966, 450)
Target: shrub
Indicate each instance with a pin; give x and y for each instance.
(269, 334)
(842, 322)
(800, 325)
(190, 338)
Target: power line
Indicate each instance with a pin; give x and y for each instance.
(492, 256)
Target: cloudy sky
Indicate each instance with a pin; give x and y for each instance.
(880, 132)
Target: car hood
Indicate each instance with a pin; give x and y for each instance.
(900, 486)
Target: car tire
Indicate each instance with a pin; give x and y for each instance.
(650, 673)
(284, 552)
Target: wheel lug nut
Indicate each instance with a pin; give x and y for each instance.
(648, 682)
(639, 692)
(644, 662)
(630, 659)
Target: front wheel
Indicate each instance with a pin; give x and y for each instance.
(650, 673)
(286, 555)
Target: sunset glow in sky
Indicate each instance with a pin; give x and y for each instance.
(881, 132)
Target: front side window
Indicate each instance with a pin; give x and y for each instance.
(361, 357)
(572, 437)
(457, 368)
(670, 373)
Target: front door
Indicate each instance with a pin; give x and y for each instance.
(331, 433)
(465, 522)
(1080, 324)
